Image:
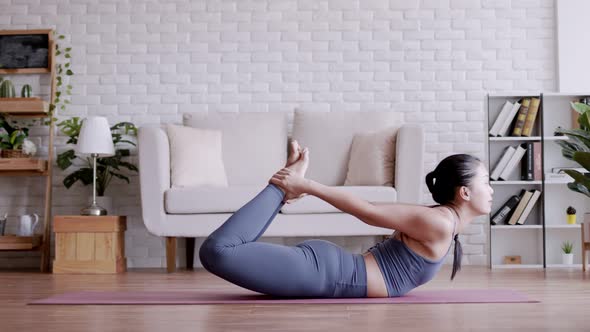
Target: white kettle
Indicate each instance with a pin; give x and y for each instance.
(27, 224)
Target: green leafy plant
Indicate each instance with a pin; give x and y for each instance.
(107, 168)
(63, 89)
(567, 247)
(577, 148)
(11, 136)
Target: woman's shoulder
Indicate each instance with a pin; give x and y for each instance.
(445, 218)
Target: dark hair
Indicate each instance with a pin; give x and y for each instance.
(452, 173)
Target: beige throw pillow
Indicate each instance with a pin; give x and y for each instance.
(195, 157)
(372, 157)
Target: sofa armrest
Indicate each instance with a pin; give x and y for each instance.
(154, 176)
(409, 165)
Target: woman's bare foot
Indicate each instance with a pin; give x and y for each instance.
(294, 153)
(299, 167)
(301, 164)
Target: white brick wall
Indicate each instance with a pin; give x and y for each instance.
(433, 60)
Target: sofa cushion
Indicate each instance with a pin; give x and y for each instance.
(189, 200)
(372, 157)
(254, 143)
(195, 157)
(312, 204)
(329, 136)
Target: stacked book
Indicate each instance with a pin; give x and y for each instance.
(516, 119)
(517, 208)
(527, 155)
(558, 174)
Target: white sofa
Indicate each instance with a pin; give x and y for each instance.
(254, 146)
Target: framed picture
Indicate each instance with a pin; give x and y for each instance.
(26, 51)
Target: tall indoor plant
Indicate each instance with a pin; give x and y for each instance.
(577, 148)
(107, 168)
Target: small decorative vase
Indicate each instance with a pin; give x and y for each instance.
(567, 259)
(13, 154)
(571, 219)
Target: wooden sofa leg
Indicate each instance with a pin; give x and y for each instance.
(190, 252)
(171, 254)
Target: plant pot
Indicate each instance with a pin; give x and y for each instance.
(571, 219)
(105, 202)
(567, 259)
(13, 154)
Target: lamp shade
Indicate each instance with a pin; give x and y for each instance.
(95, 137)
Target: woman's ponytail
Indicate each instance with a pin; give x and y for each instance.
(457, 256)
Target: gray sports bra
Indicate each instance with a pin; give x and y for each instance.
(402, 268)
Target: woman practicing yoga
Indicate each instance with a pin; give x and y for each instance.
(317, 268)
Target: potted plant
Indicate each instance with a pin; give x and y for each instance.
(571, 215)
(107, 168)
(13, 140)
(567, 256)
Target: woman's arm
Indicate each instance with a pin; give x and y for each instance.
(419, 222)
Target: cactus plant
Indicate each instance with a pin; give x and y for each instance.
(7, 89)
(26, 91)
(571, 210)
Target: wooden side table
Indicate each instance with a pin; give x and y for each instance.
(89, 244)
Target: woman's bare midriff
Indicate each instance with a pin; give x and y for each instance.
(375, 283)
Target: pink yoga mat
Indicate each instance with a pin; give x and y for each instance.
(202, 297)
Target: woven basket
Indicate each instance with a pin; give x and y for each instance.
(13, 154)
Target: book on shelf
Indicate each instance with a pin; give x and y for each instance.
(524, 199)
(501, 125)
(531, 116)
(505, 210)
(505, 129)
(495, 129)
(521, 117)
(537, 162)
(527, 165)
(508, 153)
(558, 174)
(513, 162)
(558, 177)
(529, 206)
(562, 169)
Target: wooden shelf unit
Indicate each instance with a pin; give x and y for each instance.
(13, 242)
(32, 108)
(24, 106)
(24, 166)
(539, 240)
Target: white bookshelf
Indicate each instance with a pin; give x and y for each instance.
(515, 139)
(517, 266)
(512, 182)
(539, 240)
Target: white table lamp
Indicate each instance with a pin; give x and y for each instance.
(95, 140)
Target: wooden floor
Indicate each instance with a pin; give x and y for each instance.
(564, 296)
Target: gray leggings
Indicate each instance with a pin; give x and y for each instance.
(313, 268)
